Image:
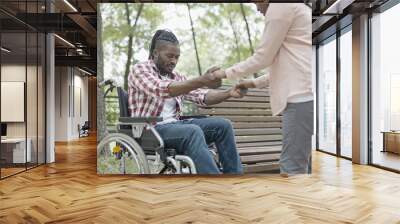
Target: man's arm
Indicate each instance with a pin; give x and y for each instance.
(186, 86)
(142, 78)
(215, 96)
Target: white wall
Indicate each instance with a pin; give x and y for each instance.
(33, 126)
(61, 103)
(69, 85)
(14, 73)
(79, 117)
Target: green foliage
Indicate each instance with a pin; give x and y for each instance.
(189, 108)
(112, 109)
(214, 33)
(112, 165)
(214, 27)
(116, 31)
(108, 165)
(131, 167)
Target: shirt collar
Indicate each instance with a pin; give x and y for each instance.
(154, 66)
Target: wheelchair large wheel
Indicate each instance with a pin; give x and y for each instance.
(120, 154)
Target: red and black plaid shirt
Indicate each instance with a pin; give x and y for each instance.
(148, 91)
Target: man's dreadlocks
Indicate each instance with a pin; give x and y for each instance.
(162, 35)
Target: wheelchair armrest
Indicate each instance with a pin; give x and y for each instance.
(193, 117)
(139, 119)
(136, 125)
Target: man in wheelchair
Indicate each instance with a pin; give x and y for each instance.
(156, 90)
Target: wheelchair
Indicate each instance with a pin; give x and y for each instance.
(137, 148)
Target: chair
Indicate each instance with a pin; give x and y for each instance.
(84, 130)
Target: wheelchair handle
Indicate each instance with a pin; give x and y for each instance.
(110, 89)
(107, 82)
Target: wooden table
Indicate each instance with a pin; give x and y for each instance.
(391, 141)
(13, 150)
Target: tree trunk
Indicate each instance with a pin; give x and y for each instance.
(101, 109)
(236, 37)
(130, 41)
(247, 28)
(194, 40)
(248, 32)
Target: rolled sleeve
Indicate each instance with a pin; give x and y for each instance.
(197, 96)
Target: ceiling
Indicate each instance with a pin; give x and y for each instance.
(332, 15)
(75, 22)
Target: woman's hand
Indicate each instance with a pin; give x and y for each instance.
(246, 84)
(237, 91)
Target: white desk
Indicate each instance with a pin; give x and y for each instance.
(19, 149)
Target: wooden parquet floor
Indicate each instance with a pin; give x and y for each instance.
(70, 191)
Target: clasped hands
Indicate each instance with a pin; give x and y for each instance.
(213, 79)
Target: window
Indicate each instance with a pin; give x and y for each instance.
(385, 87)
(346, 93)
(22, 74)
(327, 96)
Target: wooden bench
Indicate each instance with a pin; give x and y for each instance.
(258, 133)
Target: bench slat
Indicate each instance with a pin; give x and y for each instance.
(221, 111)
(240, 105)
(254, 144)
(260, 158)
(257, 94)
(253, 118)
(264, 90)
(270, 167)
(260, 150)
(258, 138)
(249, 99)
(242, 125)
(258, 131)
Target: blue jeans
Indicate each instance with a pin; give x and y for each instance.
(191, 137)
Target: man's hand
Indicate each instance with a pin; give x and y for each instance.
(246, 84)
(184, 87)
(237, 91)
(209, 80)
(218, 96)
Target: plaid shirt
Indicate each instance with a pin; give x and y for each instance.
(148, 91)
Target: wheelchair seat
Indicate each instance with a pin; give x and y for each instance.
(147, 140)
